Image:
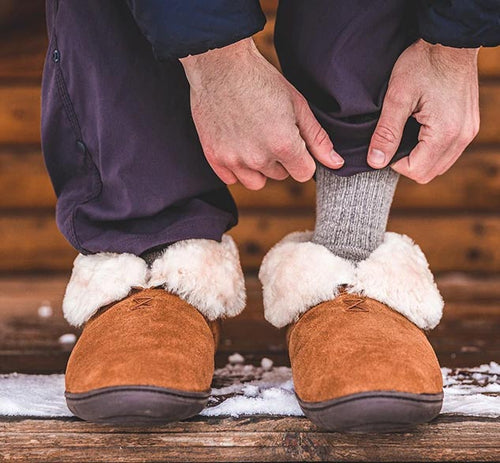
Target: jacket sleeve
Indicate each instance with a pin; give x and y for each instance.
(177, 28)
(460, 23)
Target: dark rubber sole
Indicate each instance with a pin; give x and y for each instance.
(130, 405)
(378, 411)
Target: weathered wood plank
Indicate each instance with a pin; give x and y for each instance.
(467, 335)
(26, 40)
(473, 184)
(24, 53)
(451, 242)
(21, 295)
(33, 243)
(20, 114)
(489, 62)
(246, 439)
(24, 181)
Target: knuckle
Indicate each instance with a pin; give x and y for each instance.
(283, 149)
(385, 134)
(232, 164)
(258, 163)
(321, 137)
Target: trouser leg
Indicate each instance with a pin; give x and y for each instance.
(118, 138)
(340, 56)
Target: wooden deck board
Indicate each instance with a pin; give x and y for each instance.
(448, 438)
(451, 242)
(466, 337)
(472, 185)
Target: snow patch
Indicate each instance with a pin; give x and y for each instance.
(266, 364)
(240, 390)
(32, 395)
(45, 310)
(236, 358)
(68, 338)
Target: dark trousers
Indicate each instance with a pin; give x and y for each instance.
(117, 134)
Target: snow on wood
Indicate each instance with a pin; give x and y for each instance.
(240, 390)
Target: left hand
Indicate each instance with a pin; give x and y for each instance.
(438, 86)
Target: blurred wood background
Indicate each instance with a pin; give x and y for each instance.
(455, 218)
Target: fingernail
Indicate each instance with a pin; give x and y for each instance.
(337, 160)
(377, 157)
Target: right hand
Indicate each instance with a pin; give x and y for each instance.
(252, 123)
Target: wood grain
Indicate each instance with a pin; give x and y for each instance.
(26, 41)
(20, 114)
(451, 243)
(24, 181)
(472, 184)
(246, 439)
(467, 334)
(489, 62)
(468, 243)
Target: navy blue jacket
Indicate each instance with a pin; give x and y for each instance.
(177, 28)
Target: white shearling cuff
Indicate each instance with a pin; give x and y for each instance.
(98, 280)
(205, 273)
(297, 274)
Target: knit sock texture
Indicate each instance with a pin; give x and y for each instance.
(352, 212)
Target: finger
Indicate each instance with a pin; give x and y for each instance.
(421, 164)
(317, 140)
(224, 174)
(297, 161)
(250, 179)
(387, 136)
(275, 171)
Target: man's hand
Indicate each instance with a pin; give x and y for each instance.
(251, 121)
(438, 86)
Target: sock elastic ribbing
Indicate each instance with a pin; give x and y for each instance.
(352, 212)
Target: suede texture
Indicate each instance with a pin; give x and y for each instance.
(150, 338)
(355, 344)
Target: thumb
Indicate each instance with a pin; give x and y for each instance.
(387, 136)
(317, 140)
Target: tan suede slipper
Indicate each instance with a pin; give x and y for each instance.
(359, 365)
(359, 357)
(146, 354)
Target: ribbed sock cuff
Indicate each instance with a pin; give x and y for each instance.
(352, 212)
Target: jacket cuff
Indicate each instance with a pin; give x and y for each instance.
(460, 23)
(178, 28)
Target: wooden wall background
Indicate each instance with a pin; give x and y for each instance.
(455, 218)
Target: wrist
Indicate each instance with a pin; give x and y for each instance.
(443, 54)
(199, 67)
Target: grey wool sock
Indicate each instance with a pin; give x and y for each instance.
(352, 212)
